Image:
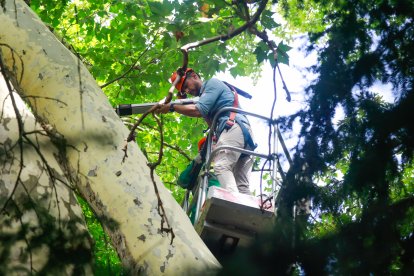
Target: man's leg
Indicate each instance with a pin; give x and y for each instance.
(243, 169)
(225, 160)
(242, 172)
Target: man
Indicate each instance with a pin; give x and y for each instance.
(232, 168)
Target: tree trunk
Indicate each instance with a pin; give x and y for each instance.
(41, 224)
(89, 137)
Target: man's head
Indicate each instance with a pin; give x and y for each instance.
(190, 83)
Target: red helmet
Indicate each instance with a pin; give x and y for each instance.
(179, 85)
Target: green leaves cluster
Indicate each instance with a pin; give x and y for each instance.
(106, 259)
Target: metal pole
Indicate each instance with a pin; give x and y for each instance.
(202, 190)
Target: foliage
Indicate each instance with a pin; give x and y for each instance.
(360, 217)
(362, 222)
(106, 259)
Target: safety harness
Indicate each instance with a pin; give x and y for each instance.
(233, 118)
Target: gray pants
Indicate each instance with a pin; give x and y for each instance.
(232, 170)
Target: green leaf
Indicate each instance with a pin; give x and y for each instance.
(261, 52)
(282, 55)
(267, 20)
(159, 9)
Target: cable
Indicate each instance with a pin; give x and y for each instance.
(269, 137)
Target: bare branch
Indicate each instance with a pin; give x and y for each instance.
(4, 71)
(178, 149)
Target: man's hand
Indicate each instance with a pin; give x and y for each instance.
(163, 108)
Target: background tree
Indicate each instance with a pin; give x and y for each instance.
(362, 223)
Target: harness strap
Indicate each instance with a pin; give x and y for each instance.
(239, 91)
(232, 117)
(246, 134)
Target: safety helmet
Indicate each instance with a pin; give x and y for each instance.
(179, 85)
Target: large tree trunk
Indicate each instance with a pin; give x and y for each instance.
(41, 224)
(89, 137)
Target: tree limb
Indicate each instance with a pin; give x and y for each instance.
(227, 36)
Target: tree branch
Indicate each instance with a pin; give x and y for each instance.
(133, 66)
(227, 36)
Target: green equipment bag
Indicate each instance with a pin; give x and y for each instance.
(188, 178)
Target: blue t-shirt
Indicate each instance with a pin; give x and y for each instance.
(215, 95)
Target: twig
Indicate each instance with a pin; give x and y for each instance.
(174, 147)
(44, 98)
(20, 128)
(178, 149)
(133, 66)
(272, 46)
(131, 135)
(14, 61)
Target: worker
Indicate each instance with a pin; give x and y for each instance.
(231, 167)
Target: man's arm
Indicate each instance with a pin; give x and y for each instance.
(185, 109)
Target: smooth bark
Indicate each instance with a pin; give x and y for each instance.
(41, 224)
